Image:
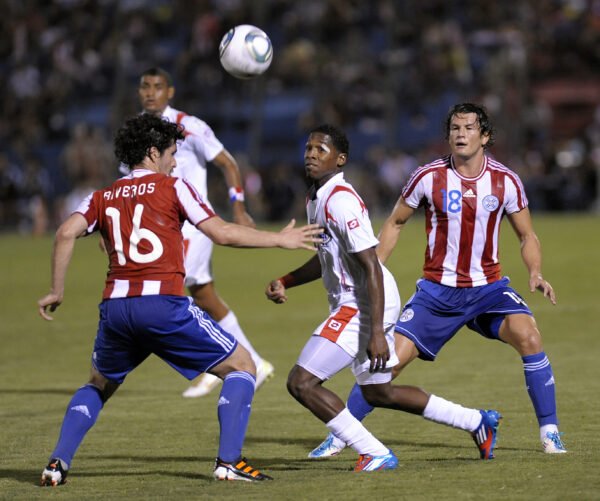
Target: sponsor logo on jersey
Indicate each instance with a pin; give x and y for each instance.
(407, 315)
(352, 224)
(490, 203)
(469, 194)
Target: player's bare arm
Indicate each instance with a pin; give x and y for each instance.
(308, 272)
(64, 243)
(233, 177)
(390, 231)
(377, 349)
(531, 253)
(235, 235)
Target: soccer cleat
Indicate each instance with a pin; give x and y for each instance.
(485, 434)
(331, 446)
(205, 384)
(54, 474)
(553, 444)
(264, 372)
(240, 470)
(367, 462)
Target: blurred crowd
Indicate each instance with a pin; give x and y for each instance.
(386, 71)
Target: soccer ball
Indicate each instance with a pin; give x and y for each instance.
(245, 51)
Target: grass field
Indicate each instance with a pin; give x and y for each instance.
(149, 443)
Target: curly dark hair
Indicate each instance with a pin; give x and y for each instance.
(482, 118)
(338, 137)
(139, 134)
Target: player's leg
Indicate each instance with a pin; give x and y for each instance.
(521, 332)
(320, 360)
(81, 414)
(115, 355)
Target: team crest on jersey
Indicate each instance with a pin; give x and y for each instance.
(407, 315)
(490, 203)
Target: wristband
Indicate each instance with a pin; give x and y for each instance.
(287, 280)
(236, 194)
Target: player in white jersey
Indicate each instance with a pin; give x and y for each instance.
(364, 304)
(465, 196)
(201, 146)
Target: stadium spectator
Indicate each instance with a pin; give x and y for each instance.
(143, 312)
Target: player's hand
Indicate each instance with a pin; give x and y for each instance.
(276, 292)
(51, 301)
(241, 217)
(300, 238)
(537, 282)
(378, 351)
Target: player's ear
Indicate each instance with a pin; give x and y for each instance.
(342, 159)
(171, 92)
(485, 138)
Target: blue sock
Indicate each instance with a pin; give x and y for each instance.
(357, 405)
(234, 411)
(82, 412)
(539, 380)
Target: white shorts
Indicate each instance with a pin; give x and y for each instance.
(350, 330)
(198, 250)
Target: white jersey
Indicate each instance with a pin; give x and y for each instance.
(342, 214)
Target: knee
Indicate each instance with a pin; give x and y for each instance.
(528, 341)
(299, 387)
(375, 395)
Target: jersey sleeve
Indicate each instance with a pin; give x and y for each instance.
(414, 191)
(194, 208)
(515, 196)
(88, 208)
(348, 213)
(202, 137)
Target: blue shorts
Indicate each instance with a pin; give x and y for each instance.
(435, 313)
(171, 327)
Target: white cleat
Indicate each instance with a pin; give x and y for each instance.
(552, 444)
(264, 372)
(331, 446)
(205, 384)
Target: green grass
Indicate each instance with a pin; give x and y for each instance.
(149, 443)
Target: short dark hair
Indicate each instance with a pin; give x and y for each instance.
(482, 118)
(139, 134)
(157, 71)
(338, 136)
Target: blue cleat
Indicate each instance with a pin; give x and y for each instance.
(553, 444)
(331, 446)
(366, 462)
(485, 434)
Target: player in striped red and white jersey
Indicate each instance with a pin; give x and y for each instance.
(465, 196)
(144, 310)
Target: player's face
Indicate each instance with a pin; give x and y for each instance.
(465, 137)
(321, 158)
(166, 161)
(155, 93)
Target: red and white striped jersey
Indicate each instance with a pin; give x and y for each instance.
(140, 217)
(463, 217)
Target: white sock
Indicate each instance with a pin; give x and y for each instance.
(547, 428)
(351, 431)
(230, 323)
(451, 414)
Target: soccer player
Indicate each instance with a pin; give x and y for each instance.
(364, 305)
(465, 196)
(155, 91)
(139, 217)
